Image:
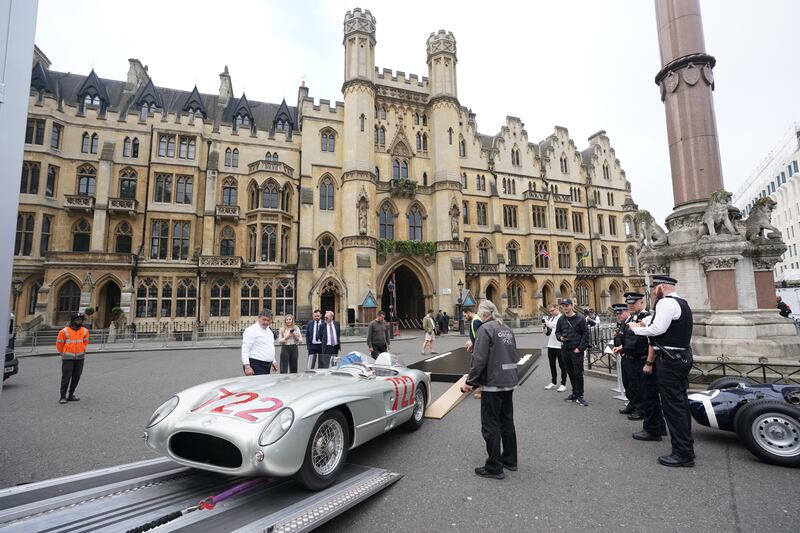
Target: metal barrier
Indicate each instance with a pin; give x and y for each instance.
(761, 372)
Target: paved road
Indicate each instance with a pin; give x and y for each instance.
(579, 469)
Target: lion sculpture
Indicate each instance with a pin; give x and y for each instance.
(717, 215)
(760, 219)
(650, 233)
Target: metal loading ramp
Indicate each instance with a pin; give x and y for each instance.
(128, 496)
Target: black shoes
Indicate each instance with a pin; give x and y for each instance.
(674, 460)
(73, 398)
(570, 398)
(509, 467)
(627, 410)
(62, 400)
(644, 435)
(635, 416)
(481, 471)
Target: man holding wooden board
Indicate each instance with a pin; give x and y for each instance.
(494, 370)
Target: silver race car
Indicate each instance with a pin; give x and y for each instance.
(290, 424)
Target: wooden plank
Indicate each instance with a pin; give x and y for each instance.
(447, 401)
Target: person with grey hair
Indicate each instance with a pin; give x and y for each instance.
(494, 370)
(258, 346)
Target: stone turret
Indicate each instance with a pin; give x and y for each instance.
(225, 88)
(442, 64)
(359, 45)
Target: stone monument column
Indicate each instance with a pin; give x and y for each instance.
(723, 264)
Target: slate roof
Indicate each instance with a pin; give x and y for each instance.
(67, 85)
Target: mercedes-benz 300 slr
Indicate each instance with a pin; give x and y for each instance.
(298, 425)
(765, 417)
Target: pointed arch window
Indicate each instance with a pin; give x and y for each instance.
(627, 222)
(326, 194)
(229, 192)
(186, 299)
(135, 147)
(376, 136)
(404, 169)
(81, 233)
(252, 239)
(414, 224)
(363, 121)
(416, 119)
(220, 298)
(269, 241)
(564, 167)
(382, 137)
(127, 184)
(235, 158)
(252, 196)
(123, 238)
(514, 295)
(269, 196)
(424, 142)
(424, 119)
(580, 256)
(483, 252)
(284, 297)
(386, 223)
(166, 299)
(228, 157)
(325, 252)
(462, 148)
(419, 141)
(126, 147)
(268, 157)
(396, 169)
(251, 294)
(286, 198)
(146, 298)
(512, 251)
(87, 176)
(328, 141)
(382, 113)
(284, 245)
(582, 295)
(424, 178)
(90, 100)
(227, 242)
(606, 170)
(85, 143)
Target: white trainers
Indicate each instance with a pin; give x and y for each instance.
(561, 388)
(550, 387)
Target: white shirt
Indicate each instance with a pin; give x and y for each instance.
(258, 343)
(667, 310)
(315, 337)
(550, 322)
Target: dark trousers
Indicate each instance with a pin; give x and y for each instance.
(632, 376)
(325, 356)
(651, 405)
(313, 356)
(71, 370)
(260, 367)
(377, 349)
(673, 381)
(554, 354)
(497, 428)
(574, 365)
(289, 358)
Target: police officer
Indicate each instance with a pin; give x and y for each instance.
(634, 354)
(670, 336)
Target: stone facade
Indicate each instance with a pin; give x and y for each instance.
(180, 205)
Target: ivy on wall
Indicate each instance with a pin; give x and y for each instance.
(413, 248)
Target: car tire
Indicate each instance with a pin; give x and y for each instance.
(418, 413)
(326, 452)
(730, 382)
(770, 430)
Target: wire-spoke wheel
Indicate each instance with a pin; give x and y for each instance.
(418, 412)
(326, 452)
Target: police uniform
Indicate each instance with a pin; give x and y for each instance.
(634, 354)
(670, 334)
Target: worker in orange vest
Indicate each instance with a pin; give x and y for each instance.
(71, 344)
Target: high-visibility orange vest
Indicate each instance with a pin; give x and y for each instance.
(71, 343)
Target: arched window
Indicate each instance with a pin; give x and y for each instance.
(363, 121)
(396, 169)
(325, 252)
(425, 142)
(252, 241)
(286, 198)
(483, 252)
(416, 119)
(424, 120)
(463, 180)
(269, 196)
(627, 222)
(123, 238)
(633, 263)
(235, 158)
(227, 242)
(146, 298)
(462, 148)
(269, 241)
(581, 257)
(229, 192)
(414, 224)
(383, 113)
(450, 135)
(606, 171)
(284, 298)
(326, 194)
(512, 251)
(228, 155)
(135, 147)
(81, 233)
(419, 141)
(284, 244)
(382, 137)
(85, 143)
(513, 186)
(127, 184)
(424, 178)
(252, 196)
(268, 157)
(404, 169)
(386, 223)
(275, 156)
(564, 167)
(69, 298)
(327, 140)
(186, 299)
(86, 180)
(514, 295)
(126, 147)
(251, 294)
(220, 298)
(376, 135)
(582, 295)
(95, 142)
(377, 174)
(615, 256)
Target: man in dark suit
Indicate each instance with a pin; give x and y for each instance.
(331, 337)
(314, 338)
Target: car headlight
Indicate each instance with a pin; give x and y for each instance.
(163, 411)
(277, 427)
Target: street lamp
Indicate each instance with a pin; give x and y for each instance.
(390, 286)
(16, 286)
(460, 286)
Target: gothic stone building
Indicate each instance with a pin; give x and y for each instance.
(183, 206)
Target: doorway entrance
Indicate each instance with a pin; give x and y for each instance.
(490, 293)
(410, 300)
(110, 297)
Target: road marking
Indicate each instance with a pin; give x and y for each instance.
(525, 359)
(438, 357)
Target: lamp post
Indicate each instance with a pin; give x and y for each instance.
(16, 286)
(390, 286)
(460, 286)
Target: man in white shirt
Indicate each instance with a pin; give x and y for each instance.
(313, 338)
(258, 346)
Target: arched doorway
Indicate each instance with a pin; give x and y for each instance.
(108, 298)
(329, 299)
(68, 302)
(614, 293)
(547, 296)
(408, 291)
(490, 293)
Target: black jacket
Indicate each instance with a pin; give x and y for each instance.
(576, 332)
(494, 358)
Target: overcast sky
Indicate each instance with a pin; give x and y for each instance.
(586, 65)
